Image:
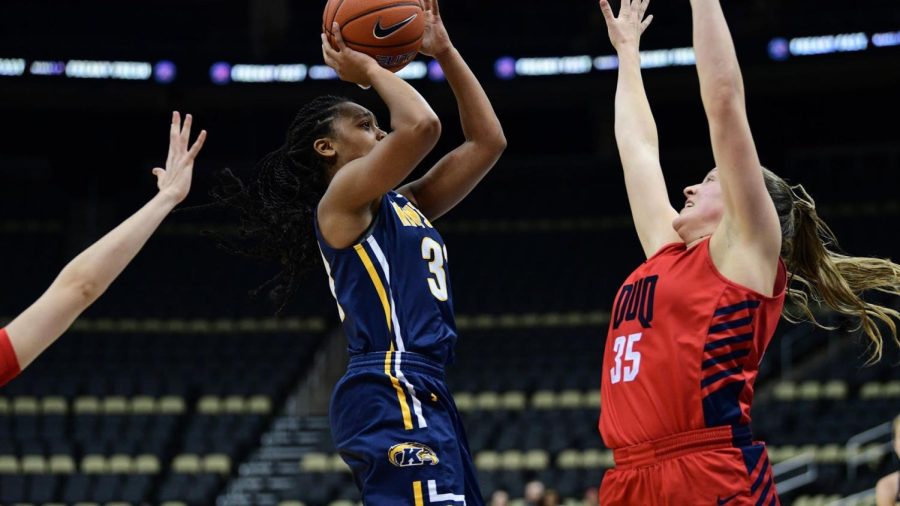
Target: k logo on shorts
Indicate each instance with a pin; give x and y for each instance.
(412, 454)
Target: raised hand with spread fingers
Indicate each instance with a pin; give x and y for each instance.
(175, 179)
(86, 277)
(625, 30)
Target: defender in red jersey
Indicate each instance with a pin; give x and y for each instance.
(9, 363)
(677, 322)
(86, 277)
(690, 326)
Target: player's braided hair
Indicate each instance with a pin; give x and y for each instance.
(823, 275)
(277, 208)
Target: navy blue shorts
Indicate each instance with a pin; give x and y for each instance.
(396, 425)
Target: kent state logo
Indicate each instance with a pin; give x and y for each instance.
(412, 454)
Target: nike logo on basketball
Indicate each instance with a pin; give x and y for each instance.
(727, 499)
(381, 32)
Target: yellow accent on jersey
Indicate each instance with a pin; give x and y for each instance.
(410, 216)
(417, 493)
(400, 214)
(401, 395)
(379, 287)
(382, 294)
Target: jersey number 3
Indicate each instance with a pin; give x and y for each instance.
(436, 257)
(625, 346)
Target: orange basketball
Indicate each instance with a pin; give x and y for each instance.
(390, 31)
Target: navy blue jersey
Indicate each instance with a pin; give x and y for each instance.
(393, 287)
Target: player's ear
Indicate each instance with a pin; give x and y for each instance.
(325, 147)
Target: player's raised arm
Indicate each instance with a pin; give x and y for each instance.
(457, 173)
(86, 277)
(415, 130)
(750, 220)
(636, 133)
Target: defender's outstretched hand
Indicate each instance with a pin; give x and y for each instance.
(175, 180)
(87, 276)
(626, 29)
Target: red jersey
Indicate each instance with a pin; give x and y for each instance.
(9, 364)
(683, 348)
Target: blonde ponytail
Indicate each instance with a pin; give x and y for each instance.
(819, 274)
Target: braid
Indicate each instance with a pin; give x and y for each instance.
(278, 208)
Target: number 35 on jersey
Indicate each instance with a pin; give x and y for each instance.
(628, 360)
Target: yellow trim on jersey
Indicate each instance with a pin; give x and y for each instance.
(401, 395)
(382, 294)
(379, 287)
(417, 493)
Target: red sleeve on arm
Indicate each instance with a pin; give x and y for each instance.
(9, 364)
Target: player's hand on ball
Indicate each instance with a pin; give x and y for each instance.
(436, 41)
(350, 65)
(175, 180)
(626, 30)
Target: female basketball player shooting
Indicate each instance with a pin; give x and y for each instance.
(86, 277)
(691, 324)
(331, 188)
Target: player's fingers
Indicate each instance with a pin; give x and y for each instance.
(644, 5)
(186, 130)
(607, 11)
(435, 7)
(328, 51)
(175, 127)
(326, 56)
(646, 23)
(198, 144)
(176, 121)
(174, 131)
(159, 173)
(338, 37)
(332, 63)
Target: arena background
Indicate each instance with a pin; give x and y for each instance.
(178, 388)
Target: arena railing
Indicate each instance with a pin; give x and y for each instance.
(857, 456)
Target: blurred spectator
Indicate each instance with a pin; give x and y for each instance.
(551, 498)
(591, 497)
(534, 493)
(500, 498)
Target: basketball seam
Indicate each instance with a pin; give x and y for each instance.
(363, 14)
(334, 16)
(417, 39)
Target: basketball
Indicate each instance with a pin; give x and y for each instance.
(390, 31)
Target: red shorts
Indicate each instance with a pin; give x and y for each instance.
(717, 466)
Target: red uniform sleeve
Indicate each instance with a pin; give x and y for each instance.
(9, 364)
